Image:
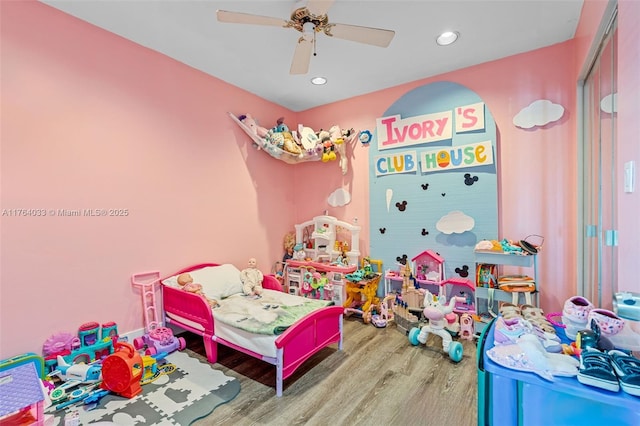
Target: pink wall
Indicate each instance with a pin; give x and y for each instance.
(93, 121)
(90, 120)
(537, 168)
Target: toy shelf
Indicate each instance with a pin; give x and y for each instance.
(487, 300)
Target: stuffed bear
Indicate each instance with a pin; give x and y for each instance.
(290, 144)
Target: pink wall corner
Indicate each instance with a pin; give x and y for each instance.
(628, 142)
(92, 121)
(537, 167)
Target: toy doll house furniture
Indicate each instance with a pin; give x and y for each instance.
(512, 397)
(427, 270)
(21, 396)
(287, 351)
(463, 290)
(322, 239)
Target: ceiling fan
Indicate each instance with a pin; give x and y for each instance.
(310, 17)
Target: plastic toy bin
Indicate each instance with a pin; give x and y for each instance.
(510, 397)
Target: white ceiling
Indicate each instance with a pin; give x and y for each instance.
(258, 58)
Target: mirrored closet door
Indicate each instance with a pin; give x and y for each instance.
(599, 233)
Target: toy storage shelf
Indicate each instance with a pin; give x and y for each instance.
(486, 298)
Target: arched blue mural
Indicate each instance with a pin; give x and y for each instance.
(433, 178)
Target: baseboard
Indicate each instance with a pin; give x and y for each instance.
(131, 335)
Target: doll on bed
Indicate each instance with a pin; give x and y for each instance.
(252, 279)
(185, 281)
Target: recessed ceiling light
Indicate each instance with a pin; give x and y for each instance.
(447, 38)
(318, 80)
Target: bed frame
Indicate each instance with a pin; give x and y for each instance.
(293, 347)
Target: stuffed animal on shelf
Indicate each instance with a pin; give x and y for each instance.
(252, 124)
(283, 138)
(251, 279)
(185, 281)
(340, 144)
(308, 139)
(328, 153)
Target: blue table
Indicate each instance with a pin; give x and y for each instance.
(509, 397)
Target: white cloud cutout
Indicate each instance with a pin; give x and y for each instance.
(609, 103)
(338, 198)
(455, 222)
(539, 113)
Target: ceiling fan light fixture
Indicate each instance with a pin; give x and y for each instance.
(447, 38)
(318, 81)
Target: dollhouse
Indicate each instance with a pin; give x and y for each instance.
(463, 290)
(330, 249)
(428, 268)
(319, 237)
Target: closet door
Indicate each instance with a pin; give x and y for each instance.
(599, 257)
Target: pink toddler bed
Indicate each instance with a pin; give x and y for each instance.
(287, 350)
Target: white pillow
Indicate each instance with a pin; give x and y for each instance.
(217, 282)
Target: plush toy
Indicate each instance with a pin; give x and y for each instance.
(252, 124)
(298, 252)
(251, 279)
(328, 153)
(290, 144)
(308, 138)
(340, 143)
(283, 138)
(185, 281)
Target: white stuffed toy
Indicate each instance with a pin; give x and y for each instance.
(340, 145)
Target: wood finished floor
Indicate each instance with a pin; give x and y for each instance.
(377, 379)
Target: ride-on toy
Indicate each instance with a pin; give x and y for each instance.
(435, 311)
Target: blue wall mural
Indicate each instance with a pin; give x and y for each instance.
(433, 178)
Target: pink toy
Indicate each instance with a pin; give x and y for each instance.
(60, 342)
(157, 339)
(435, 311)
(466, 327)
(252, 124)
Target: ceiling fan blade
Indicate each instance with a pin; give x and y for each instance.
(247, 18)
(302, 56)
(366, 35)
(319, 7)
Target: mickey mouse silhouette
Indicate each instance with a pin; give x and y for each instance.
(425, 186)
(463, 272)
(402, 260)
(424, 232)
(402, 206)
(469, 180)
(383, 230)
